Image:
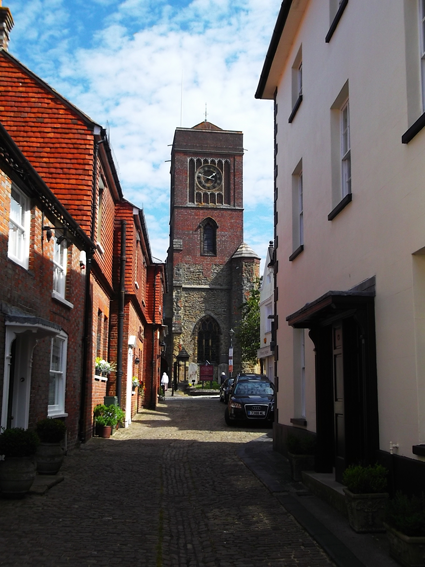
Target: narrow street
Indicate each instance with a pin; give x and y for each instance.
(168, 491)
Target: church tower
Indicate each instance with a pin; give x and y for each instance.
(210, 269)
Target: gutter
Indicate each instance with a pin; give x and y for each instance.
(274, 42)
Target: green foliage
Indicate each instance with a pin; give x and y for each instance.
(108, 415)
(18, 442)
(50, 430)
(248, 332)
(407, 514)
(369, 479)
(301, 445)
(209, 385)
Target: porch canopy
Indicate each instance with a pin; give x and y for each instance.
(331, 306)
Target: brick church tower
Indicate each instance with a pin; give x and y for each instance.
(210, 269)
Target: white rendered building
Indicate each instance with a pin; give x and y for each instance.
(348, 80)
(267, 341)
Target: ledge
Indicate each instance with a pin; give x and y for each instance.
(296, 252)
(341, 205)
(419, 450)
(295, 109)
(100, 378)
(299, 421)
(413, 130)
(335, 21)
(58, 297)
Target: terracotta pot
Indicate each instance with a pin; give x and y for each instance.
(49, 458)
(16, 476)
(104, 431)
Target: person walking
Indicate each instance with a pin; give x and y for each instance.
(164, 383)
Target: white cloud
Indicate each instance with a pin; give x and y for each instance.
(145, 67)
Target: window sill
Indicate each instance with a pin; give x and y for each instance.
(335, 21)
(299, 421)
(413, 130)
(100, 248)
(296, 252)
(100, 378)
(56, 414)
(341, 205)
(58, 297)
(419, 450)
(295, 109)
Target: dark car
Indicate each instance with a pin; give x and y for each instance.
(250, 399)
(225, 388)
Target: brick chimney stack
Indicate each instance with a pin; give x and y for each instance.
(6, 24)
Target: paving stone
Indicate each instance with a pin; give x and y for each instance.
(169, 491)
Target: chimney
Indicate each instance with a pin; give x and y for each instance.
(6, 24)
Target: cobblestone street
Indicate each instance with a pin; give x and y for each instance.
(168, 491)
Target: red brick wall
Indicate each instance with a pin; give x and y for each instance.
(30, 292)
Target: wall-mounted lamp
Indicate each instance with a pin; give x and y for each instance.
(49, 232)
(136, 360)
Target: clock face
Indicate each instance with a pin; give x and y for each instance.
(208, 177)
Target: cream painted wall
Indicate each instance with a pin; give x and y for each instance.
(378, 233)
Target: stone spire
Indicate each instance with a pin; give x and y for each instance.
(6, 24)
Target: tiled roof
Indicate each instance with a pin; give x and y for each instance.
(53, 135)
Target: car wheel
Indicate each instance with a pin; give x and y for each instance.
(227, 418)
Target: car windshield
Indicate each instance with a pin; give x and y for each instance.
(253, 389)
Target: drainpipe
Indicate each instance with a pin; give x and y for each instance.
(154, 392)
(121, 310)
(86, 349)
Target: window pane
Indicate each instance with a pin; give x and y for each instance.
(56, 364)
(52, 390)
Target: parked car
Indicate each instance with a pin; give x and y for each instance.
(225, 388)
(250, 399)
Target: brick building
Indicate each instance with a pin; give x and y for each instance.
(72, 155)
(41, 311)
(210, 269)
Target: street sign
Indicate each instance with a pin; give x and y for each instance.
(206, 373)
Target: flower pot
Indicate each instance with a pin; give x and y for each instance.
(49, 458)
(104, 431)
(366, 511)
(16, 476)
(408, 551)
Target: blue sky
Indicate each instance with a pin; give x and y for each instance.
(141, 68)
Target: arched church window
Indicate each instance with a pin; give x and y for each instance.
(208, 341)
(208, 244)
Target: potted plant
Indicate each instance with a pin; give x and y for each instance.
(17, 471)
(301, 451)
(103, 367)
(135, 383)
(405, 525)
(50, 452)
(107, 418)
(366, 496)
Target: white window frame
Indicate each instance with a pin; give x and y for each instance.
(57, 376)
(268, 309)
(60, 260)
(300, 207)
(19, 227)
(345, 149)
(422, 48)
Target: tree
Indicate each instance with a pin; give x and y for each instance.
(248, 331)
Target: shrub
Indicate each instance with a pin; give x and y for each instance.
(369, 479)
(407, 514)
(108, 415)
(18, 442)
(50, 430)
(301, 445)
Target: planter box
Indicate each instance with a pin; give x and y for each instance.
(366, 511)
(408, 551)
(300, 463)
